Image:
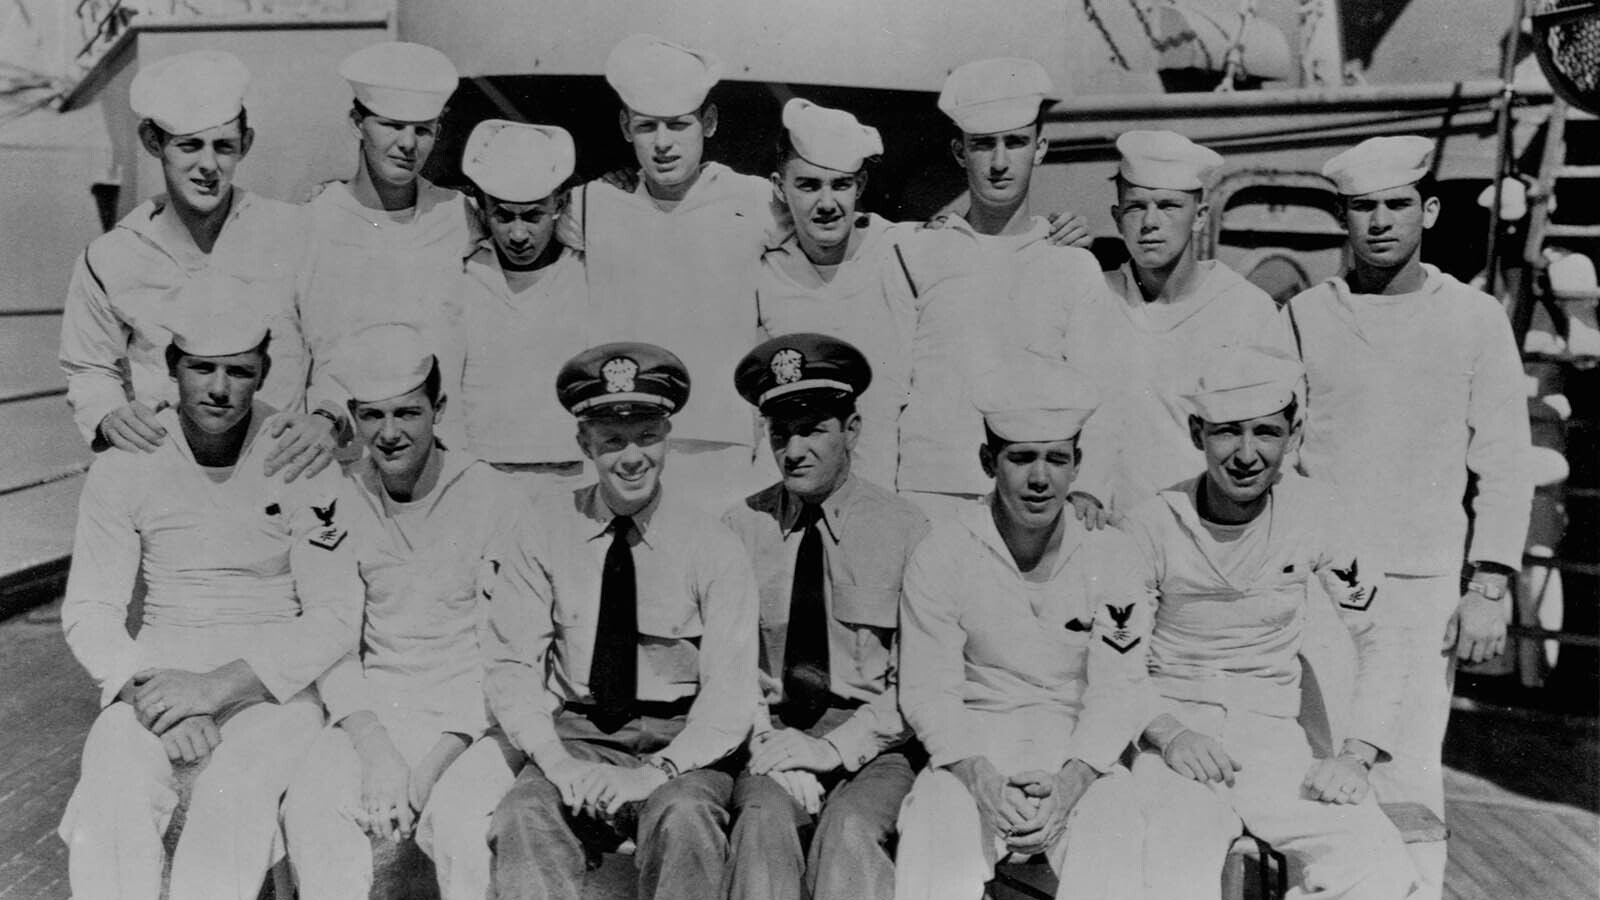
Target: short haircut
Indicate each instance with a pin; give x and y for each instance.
(1123, 184)
(996, 443)
(433, 385)
(175, 355)
(162, 135)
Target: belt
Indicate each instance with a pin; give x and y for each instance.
(655, 709)
(834, 702)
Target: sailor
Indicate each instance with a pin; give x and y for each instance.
(911, 298)
(621, 652)
(411, 700)
(1232, 553)
(526, 304)
(672, 256)
(1167, 312)
(1022, 663)
(997, 106)
(829, 760)
(252, 595)
(388, 243)
(118, 315)
(1413, 381)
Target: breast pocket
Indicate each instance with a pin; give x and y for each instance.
(669, 641)
(872, 614)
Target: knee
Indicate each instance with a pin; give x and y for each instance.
(854, 827)
(678, 810)
(530, 809)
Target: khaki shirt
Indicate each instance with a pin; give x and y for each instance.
(1029, 674)
(1233, 639)
(237, 566)
(116, 322)
(868, 535)
(697, 606)
(419, 668)
(1406, 394)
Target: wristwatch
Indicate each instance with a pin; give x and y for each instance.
(665, 765)
(1494, 593)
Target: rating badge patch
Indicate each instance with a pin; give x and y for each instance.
(329, 536)
(1121, 639)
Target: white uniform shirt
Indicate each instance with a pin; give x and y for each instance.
(1406, 395)
(683, 279)
(516, 343)
(419, 668)
(1230, 621)
(1145, 357)
(238, 566)
(370, 266)
(912, 300)
(1029, 674)
(115, 324)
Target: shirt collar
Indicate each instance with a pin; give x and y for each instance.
(835, 509)
(451, 467)
(979, 520)
(592, 506)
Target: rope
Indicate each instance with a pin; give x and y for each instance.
(1105, 33)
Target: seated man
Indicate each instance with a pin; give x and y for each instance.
(621, 653)
(252, 595)
(1022, 663)
(525, 305)
(829, 550)
(1232, 552)
(411, 701)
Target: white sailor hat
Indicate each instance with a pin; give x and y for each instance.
(1571, 276)
(381, 361)
(1380, 163)
(656, 77)
(401, 81)
(218, 315)
(993, 95)
(1240, 383)
(1032, 398)
(191, 91)
(830, 138)
(517, 162)
(1165, 159)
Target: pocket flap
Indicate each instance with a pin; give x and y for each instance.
(874, 606)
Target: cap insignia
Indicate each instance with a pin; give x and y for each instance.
(787, 365)
(619, 373)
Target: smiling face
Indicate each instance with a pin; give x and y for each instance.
(822, 202)
(522, 231)
(999, 166)
(1031, 479)
(1243, 458)
(398, 433)
(669, 148)
(629, 453)
(812, 450)
(394, 151)
(1157, 224)
(198, 168)
(1386, 226)
(215, 392)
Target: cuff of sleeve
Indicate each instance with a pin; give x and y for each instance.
(279, 687)
(944, 753)
(89, 412)
(119, 676)
(853, 744)
(1097, 752)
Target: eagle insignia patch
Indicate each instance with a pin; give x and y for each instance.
(1120, 639)
(329, 536)
(1357, 597)
(787, 365)
(619, 373)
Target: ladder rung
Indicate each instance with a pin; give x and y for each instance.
(1578, 172)
(1572, 231)
(1573, 566)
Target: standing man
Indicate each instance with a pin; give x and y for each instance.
(526, 303)
(121, 301)
(1400, 355)
(405, 706)
(388, 243)
(673, 260)
(621, 651)
(914, 299)
(829, 550)
(1167, 312)
(1231, 554)
(1023, 663)
(252, 595)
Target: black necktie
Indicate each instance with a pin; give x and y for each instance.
(613, 673)
(805, 650)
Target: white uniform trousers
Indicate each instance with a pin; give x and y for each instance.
(1333, 851)
(330, 853)
(454, 829)
(126, 795)
(1415, 773)
(942, 852)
